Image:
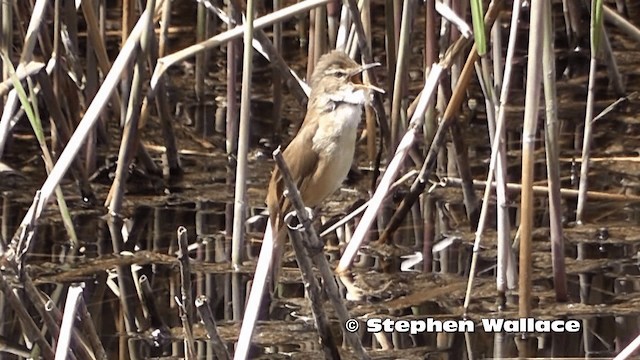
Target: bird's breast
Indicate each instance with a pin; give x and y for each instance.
(337, 129)
(335, 142)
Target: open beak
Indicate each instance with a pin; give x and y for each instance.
(357, 76)
(368, 66)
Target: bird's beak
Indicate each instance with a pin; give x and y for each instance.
(368, 66)
(355, 78)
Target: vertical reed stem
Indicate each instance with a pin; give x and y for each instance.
(243, 142)
(532, 100)
(552, 131)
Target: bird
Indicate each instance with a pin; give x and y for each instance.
(322, 152)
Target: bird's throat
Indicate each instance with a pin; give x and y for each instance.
(358, 97)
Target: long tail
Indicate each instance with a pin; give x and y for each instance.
(278, 252)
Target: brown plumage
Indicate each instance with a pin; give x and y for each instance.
(321, 153)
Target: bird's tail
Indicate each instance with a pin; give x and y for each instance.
(279, 243)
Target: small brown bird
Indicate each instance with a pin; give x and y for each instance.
(320, 155)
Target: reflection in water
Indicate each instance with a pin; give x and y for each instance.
(604, 284)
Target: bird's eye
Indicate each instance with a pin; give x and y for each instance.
(339, 73)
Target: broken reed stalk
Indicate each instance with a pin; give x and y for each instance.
(532, 101)
(596, 36)
(186, 299)
(52, 317)
(552, 152)
(126, 285)
(299, 89)
(204, 310)
(29, 327)
(60, 124)
(185, 272)
(263, 269)
(316, 252)
(150, 48)
(189, 341)
(89, 330)
(46, 311)
(148, 299)
(311, 285)
(239, 209)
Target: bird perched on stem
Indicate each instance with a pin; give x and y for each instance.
(321, 153)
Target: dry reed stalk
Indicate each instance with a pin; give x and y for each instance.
(239, 210)
(552, 133)
(532, 101)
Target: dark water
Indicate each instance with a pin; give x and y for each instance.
(603, 284)
(375, 288)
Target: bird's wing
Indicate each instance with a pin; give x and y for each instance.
(302, 163)
(301, 168)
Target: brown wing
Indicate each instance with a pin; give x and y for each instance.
(302, 161)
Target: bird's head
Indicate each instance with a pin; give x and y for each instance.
(337, 78)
